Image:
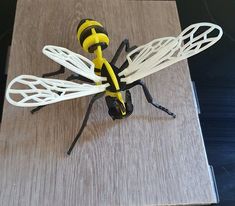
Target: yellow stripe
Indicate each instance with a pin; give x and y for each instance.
(85, 25)
(93, 39)
(112, 74)
(116, 85)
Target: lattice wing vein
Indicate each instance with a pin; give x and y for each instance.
(149, 51)
(170, 51)
(72, 61)
(42, 91)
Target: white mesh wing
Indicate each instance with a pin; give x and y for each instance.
(161, 53)
(34, 91)
(72, 61)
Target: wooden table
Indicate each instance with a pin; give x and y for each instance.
(147, 159)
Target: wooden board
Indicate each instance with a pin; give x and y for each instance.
(147, 159)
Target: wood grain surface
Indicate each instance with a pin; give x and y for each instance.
(147, 159)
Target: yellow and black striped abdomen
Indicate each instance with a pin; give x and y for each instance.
(92, 34)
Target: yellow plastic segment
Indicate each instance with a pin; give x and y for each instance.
(94, 39)
(86, 24)
(99, 60)
(116, 85)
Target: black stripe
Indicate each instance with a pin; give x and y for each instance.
(100, 29)
(82, 22)
(86, 32)
(93, 47)
(97, 70)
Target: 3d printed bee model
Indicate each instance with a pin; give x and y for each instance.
(107, 79)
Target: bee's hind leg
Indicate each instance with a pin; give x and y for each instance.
(151, 101)
(125, 43)
(150, 98)
(60, 71)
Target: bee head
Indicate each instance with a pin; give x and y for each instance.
(91, 34)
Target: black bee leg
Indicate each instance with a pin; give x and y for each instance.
(149, 97)
(36, 109)
(72, 77)
(94, 98)
(150, 100)
(60, 71)
(78, 77)
(125, 43)
(39, 107)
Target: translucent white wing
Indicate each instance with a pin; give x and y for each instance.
(31, 91)
(161, 53)
(72, 61)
